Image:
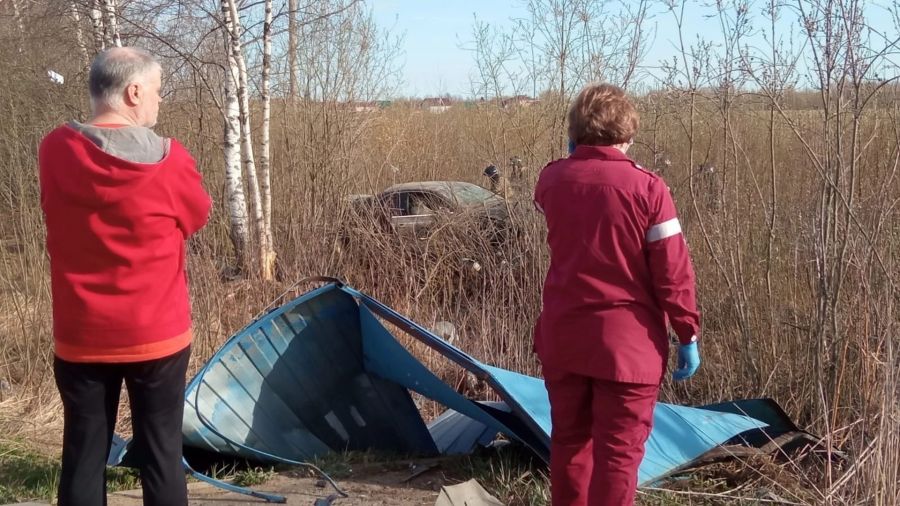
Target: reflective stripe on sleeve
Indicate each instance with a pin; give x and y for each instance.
(662, 230)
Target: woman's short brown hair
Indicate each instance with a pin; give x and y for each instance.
(602, 115)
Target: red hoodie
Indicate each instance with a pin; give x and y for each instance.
(618, 266)
(116, 234)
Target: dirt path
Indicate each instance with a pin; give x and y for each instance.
(383, 489)
(377, 486)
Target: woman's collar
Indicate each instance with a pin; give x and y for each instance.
(584, 152)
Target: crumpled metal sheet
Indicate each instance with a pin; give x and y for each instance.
(322, 374)
(680, 434)
(456, 434)
(293, 384)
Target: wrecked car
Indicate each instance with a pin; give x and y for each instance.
(414, 208)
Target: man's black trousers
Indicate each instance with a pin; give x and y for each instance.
(90, 395)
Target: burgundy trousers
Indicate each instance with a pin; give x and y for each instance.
(598, 436)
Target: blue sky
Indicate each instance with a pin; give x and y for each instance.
(436, 32)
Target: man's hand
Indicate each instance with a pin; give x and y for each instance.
(688, 361)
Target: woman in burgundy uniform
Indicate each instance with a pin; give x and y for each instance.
(619, 270)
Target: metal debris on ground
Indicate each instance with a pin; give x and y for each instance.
(327, 501)
(470, 493)
(323, 374)
(416, 470)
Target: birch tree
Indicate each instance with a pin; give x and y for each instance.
(239, 230)
(97, 25)
(17, 16)
(292, 49)
(256, 210)
(79, 34)
(267, 251)
(111, 30)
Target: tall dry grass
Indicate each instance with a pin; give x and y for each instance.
(796, 246)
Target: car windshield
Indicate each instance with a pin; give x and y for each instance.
(469, 194)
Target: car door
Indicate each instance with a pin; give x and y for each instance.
(413, 211)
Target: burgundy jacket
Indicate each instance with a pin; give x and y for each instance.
(619, 266)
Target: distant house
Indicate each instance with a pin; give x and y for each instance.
(365, 106)
(436, 104)
(517, 101)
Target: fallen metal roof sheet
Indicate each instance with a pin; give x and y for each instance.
(456, 434)
(680, 434)
(293, 384)
(322, 373)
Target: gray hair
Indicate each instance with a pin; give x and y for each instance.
(114, 69)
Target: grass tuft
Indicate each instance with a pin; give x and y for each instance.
(26, 474)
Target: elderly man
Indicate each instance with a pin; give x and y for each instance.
(119, 202)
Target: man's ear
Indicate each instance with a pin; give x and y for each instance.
(133, 94)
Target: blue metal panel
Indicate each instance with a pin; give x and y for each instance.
(680, 434)
(388, 359)
(323, 374)
(293, 385)
(456, 434)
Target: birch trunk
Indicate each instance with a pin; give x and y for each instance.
(246, 139)
(17, 16)
(112, 26)
(293, 69)
(268, 251)
(97, 25)
(236, 202)
(79, 34)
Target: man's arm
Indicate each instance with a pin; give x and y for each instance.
(191, 202)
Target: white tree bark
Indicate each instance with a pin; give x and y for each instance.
(293, 69)
(97, 25)
(79, 34)
(268, 251)
(112, 26)
(17, 16)
(256, 211)
(234, 183)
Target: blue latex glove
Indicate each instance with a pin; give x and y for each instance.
(688, 361)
